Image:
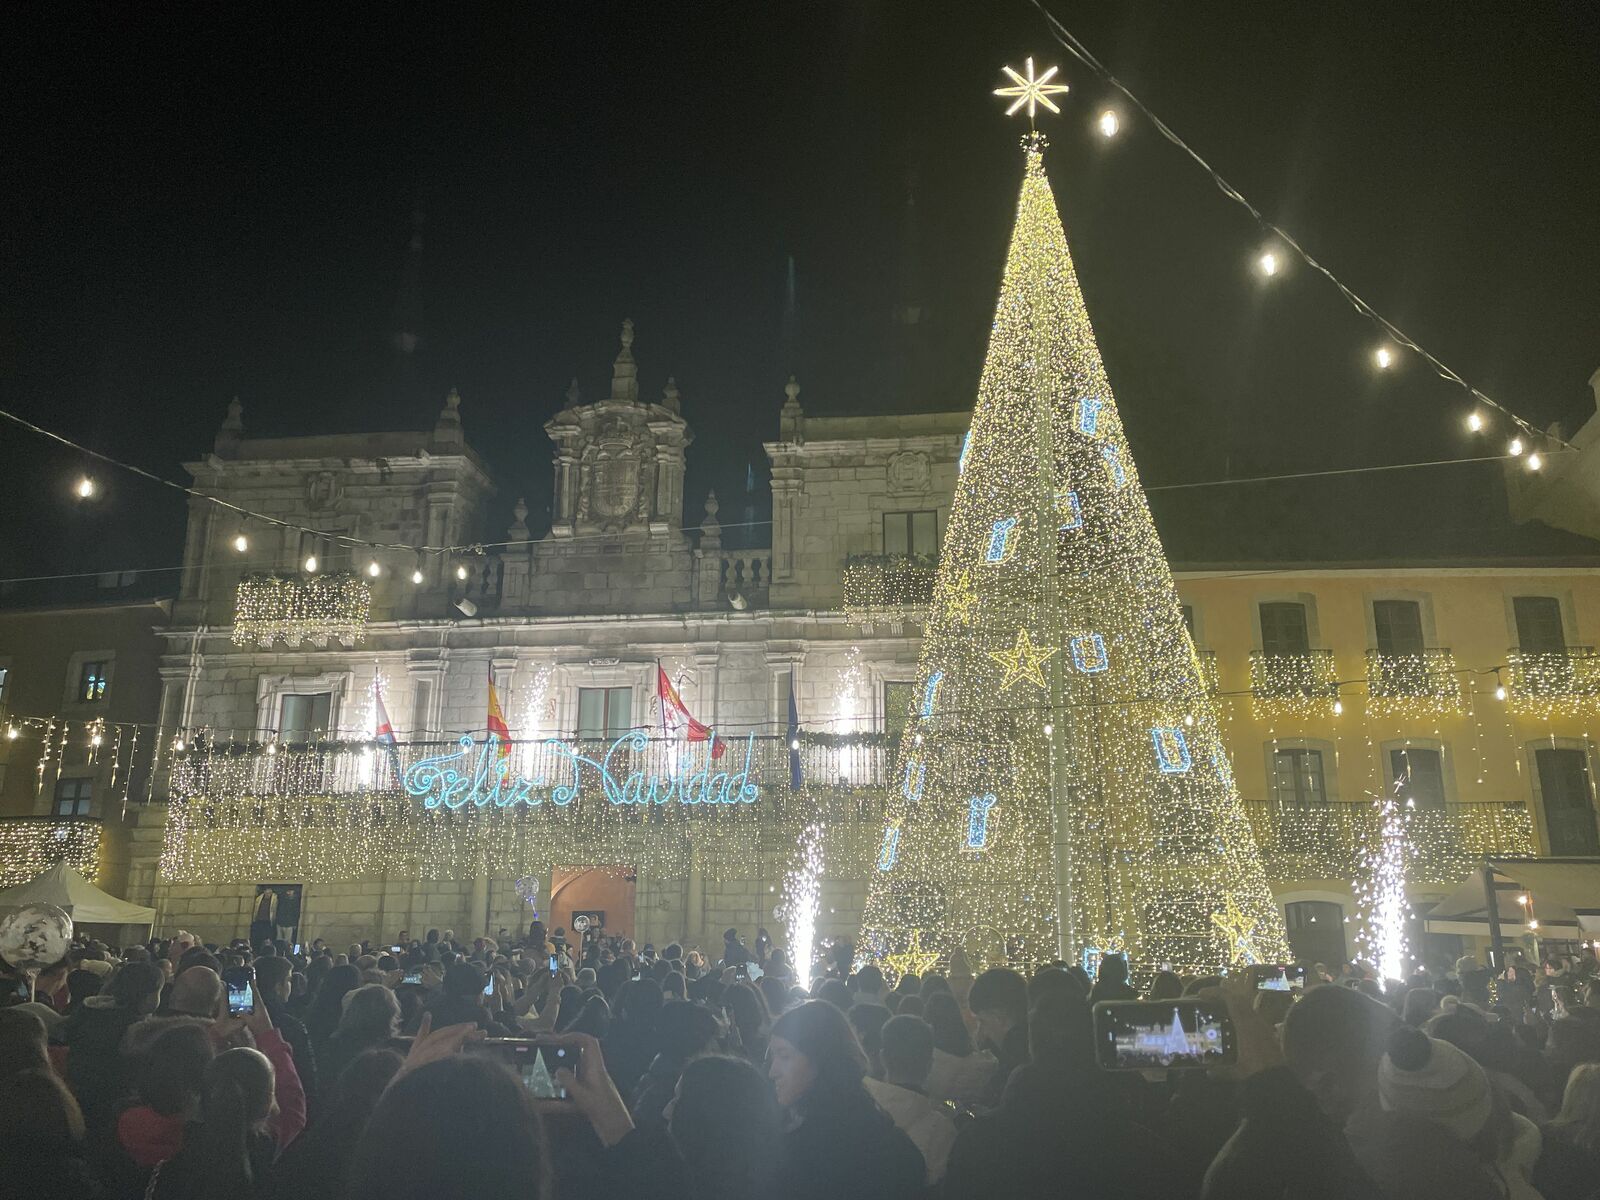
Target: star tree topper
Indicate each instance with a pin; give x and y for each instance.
(915, 959)
(1238, 929)
(1022, 661)
(1031, 91)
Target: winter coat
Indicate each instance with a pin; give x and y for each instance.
(97, 1071)
(847, 1148)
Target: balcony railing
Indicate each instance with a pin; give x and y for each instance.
(1426, 682)
(887, 587)
(32, 845)
(1326, 841)
(1304, 683)
(355, 768)
(1546, 682)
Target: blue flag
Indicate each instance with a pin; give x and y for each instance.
(793, 736)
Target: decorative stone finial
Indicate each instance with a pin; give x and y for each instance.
(792, 420)
(671, 398)
(624, 372)
(447, 428)
(519, 529)
(792, 390)
(231, 431)
(710, 527)
(574, 394)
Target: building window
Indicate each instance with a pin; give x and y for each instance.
(92, 680)
(303, 717)
(604, 712)
(1419, 775)
(1397, 625)
(1283, 628)
(72, 798)
(1316, 931)
(898, 697)
(1568, 800)
(1297, 776)
(1539, 629)
(5, 675)
(908, 534)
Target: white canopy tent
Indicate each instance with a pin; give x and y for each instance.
(1563, 895)
(75, 895)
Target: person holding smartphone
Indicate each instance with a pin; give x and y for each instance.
(469, 996)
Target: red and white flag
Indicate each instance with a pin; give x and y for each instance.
(675, 716)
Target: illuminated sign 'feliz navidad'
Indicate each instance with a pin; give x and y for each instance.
(482, 775)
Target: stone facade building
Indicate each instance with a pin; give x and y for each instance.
(1336, 681)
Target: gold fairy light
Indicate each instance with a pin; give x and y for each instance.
(1055, 609)
(315, 608)
(30, 846)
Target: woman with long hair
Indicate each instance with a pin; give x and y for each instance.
(840, 1143)
(1569, 1168)
(747, 1010)
(231, 1147)
(316, 1166)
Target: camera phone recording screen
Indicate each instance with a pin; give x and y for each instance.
(1278, 981)
(241, 998)
(1162, 1035)
(536, 1065)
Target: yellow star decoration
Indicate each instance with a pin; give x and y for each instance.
(915, 959)
(1022, 661)
(1031, 91)
(962, 597)
(1238, 929)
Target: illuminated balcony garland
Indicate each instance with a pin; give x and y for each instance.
(316, 608)
(30, 846)
(1553, 683)
(1413, 685)
(880, 587)
(1302, 685)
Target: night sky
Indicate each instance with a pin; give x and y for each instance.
(199, 204)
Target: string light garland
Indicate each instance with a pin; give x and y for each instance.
(271, 608)
(1301, 685)
(1150, 851)
(881, 587)
(1272, 260)
(29, 846)
(1552, 683)
(1413, 685)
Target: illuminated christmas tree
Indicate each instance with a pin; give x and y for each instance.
(1062, 788)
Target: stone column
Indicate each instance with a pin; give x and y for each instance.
(478, 905)
(694, 903)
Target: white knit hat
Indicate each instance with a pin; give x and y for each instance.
(1431, 1079)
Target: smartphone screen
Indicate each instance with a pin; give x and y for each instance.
(396, 950)
(555, 964)
(1281, 978)
(535, 1064)
(241, 998)
(1143, 1035)
(753, 971)
(488, 988)
(412, 977)
(297, 948)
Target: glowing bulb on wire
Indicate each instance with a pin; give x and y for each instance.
(373, 569)
(1475, 420)
(86, 488)
(1535, 462)
(12, 732)
(1383, 358)
(461, 573)
(1515, 448)
(241, 543)
(311, 564)
(1500, 692)
(416, 576)
(1338, 707)
(1268, 263)
(1109, 123)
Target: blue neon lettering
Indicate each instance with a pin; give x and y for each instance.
(978, 820)
(930, 692)
(1070, 510)
(1089, 415)
(453, 780)
(1114, 468)
(916, 772)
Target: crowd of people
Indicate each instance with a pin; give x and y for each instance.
(176, 1070)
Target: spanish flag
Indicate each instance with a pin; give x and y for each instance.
(496, 721)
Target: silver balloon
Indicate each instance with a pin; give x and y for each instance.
(580, 923)
(35, 937)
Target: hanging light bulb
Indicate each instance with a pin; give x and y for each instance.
(311, 564)
(1338, 707)
(1109, 123)
(461, 572)
(1049, 729)
(1535, 462)
(1268, 263)
(86, 488)
(416, 576)
(12, 733)
(373, 569)
(241, 543)
(1474, 420)
(1500, 692)
(178, 746)
(794, 743)
(1383, 358)
(1515, 448)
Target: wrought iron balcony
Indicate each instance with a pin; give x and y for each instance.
(1326, 841)
(1303, 683)
(1413, 683)
(31, 845)
(1548, 681)
(887, 587)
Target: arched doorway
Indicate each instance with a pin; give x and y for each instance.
(603, 893)
(1316, 931)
